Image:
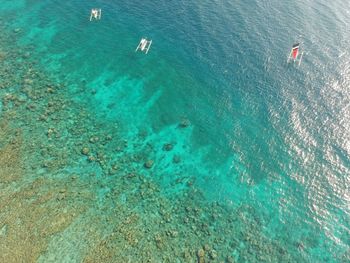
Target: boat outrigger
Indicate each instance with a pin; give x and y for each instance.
(144, 45)
(95, 14)
(295, 55)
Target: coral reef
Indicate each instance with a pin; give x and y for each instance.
(71, 187)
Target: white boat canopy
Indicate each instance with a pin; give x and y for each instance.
(95, 14)
(144, 45)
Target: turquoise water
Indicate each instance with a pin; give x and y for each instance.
(248, 156)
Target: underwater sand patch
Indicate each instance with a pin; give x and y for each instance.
(10, 154)
(32, 216)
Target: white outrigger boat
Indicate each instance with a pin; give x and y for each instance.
(144, 45)
(295, 55)
(95, 14)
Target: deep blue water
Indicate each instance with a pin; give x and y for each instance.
(263, 133)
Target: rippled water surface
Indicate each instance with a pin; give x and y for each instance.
(210, 148)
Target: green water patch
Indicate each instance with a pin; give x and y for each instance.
(8, 5)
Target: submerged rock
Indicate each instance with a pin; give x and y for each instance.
(176, 159)
(168, 147)
(50, 132)
(85, 151)
(206, 247)
(26, 55)
(94, 139)
(230, 259)
(159, 241)
(50, 90)
(91, 158)
(3, 231)
(131, 175)
(184, 123)
(112, 171)
(213, 254)
(148, 164)
(200, 255)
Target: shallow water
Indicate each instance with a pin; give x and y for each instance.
(248, 156)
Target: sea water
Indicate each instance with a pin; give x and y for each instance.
(209, 148)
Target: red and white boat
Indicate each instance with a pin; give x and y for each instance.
(295, 55)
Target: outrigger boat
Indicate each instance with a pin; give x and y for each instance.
(95, 14)
(144, 45)
(295, 55)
